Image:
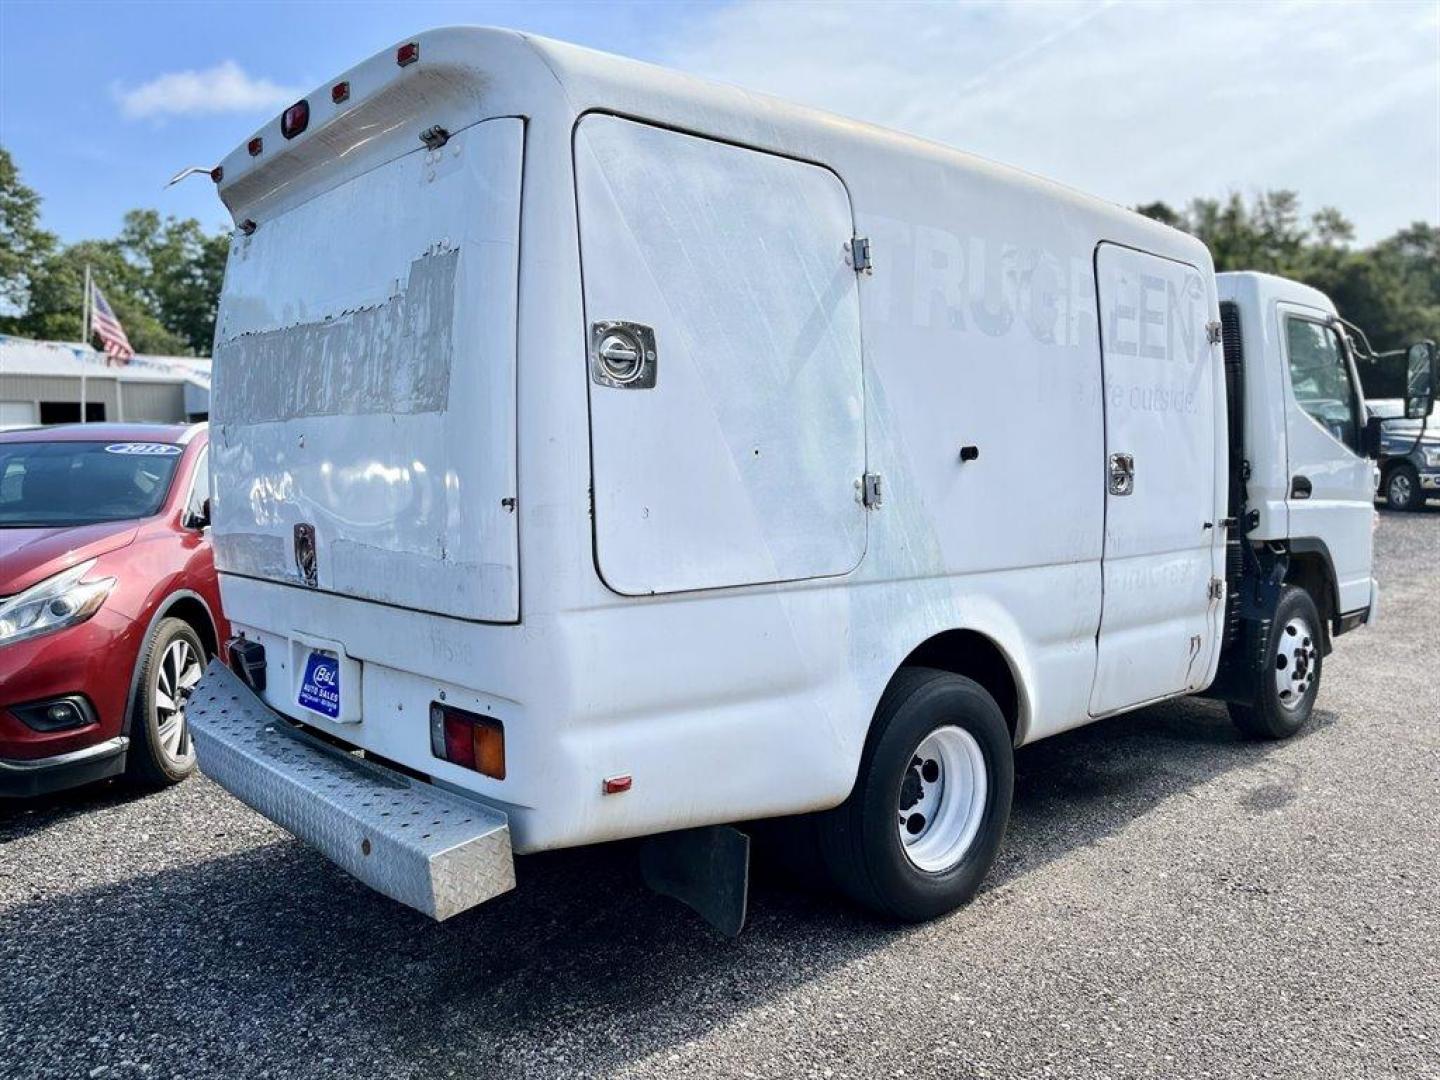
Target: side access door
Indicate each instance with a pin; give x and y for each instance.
(1332, 484)
(1164, 475)
(727, 414)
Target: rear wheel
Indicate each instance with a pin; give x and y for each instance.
(1402, 488)
(1288, 670)
(931, 801)
(160, 748)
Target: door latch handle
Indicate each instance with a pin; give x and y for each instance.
(1300, 487)
(1122, 474)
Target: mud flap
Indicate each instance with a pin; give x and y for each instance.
(706, 869)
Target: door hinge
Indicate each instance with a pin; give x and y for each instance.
(1214, 333)
(869, 491)
(1217, 588)
(859, 255)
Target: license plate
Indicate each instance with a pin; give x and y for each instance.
(320, 684)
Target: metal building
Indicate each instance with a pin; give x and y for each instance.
(57, 382)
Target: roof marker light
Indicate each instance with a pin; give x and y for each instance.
(615, 785)
(340, 92)
(217, 173)
(295, 119)
(255, 146)
(408, 53)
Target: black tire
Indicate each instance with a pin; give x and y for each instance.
(148, 761)
(1271, 715)
(1402, 488)
(860, 840)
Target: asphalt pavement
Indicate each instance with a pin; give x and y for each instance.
(1170, 901)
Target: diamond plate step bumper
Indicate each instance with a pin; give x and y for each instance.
(415, 843)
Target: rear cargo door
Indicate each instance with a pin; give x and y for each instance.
(733, 454)
(363, 407)
(1159, 623)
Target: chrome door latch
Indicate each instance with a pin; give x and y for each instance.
(1122, 474)
(623, 355)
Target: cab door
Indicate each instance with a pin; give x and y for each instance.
(1165, 457)
(1332, 484)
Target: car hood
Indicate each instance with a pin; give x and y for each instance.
(31, 555)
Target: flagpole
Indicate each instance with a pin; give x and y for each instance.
(85, 330)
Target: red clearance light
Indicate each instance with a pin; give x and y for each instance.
(614, 785)
(340, 92)
(408, 53)
(255, 146)
(295, 119)
(468, 740)
(217, 173)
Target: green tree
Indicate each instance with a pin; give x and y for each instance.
(1391, 290)
(22, 242)
(57, 289)
(181, 270)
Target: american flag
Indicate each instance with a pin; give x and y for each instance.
(112, 334)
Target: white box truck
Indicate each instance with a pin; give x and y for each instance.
(599, 452)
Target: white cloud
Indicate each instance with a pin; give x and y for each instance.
(221, 89)
(1130, 102)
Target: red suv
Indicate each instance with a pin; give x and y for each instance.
(109, 606)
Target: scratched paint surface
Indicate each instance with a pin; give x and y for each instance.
(740, 465)
(338, 360)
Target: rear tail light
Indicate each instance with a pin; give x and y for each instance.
(340, 92)
(408, 53)
(295, 119)
(468, 740)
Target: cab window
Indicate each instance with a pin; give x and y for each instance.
(1320, 377)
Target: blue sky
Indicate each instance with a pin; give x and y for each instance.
(100, 103)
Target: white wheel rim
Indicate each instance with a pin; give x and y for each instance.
(176, 675)
(942, 799)
(1296, 656)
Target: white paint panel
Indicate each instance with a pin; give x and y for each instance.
(1158, 625)
(739, 466)
(365, 383)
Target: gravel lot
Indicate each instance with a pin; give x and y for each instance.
(1170, 901)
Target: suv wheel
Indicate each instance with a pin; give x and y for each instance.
(161, 752)
(1402, 488)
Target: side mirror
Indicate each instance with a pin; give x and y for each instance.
(197, 517)
(1372, 437)
(1419, 380)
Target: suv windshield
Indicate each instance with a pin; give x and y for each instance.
(48, 484)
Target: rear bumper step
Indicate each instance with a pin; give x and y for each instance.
(415, 843)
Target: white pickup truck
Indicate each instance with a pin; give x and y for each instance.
(599, 452)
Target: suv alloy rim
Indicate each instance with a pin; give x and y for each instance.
(180, 669)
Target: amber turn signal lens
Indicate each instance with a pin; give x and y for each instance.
(468, 740)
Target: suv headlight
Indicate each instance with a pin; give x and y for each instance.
(1432, 456)
(53, 604)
